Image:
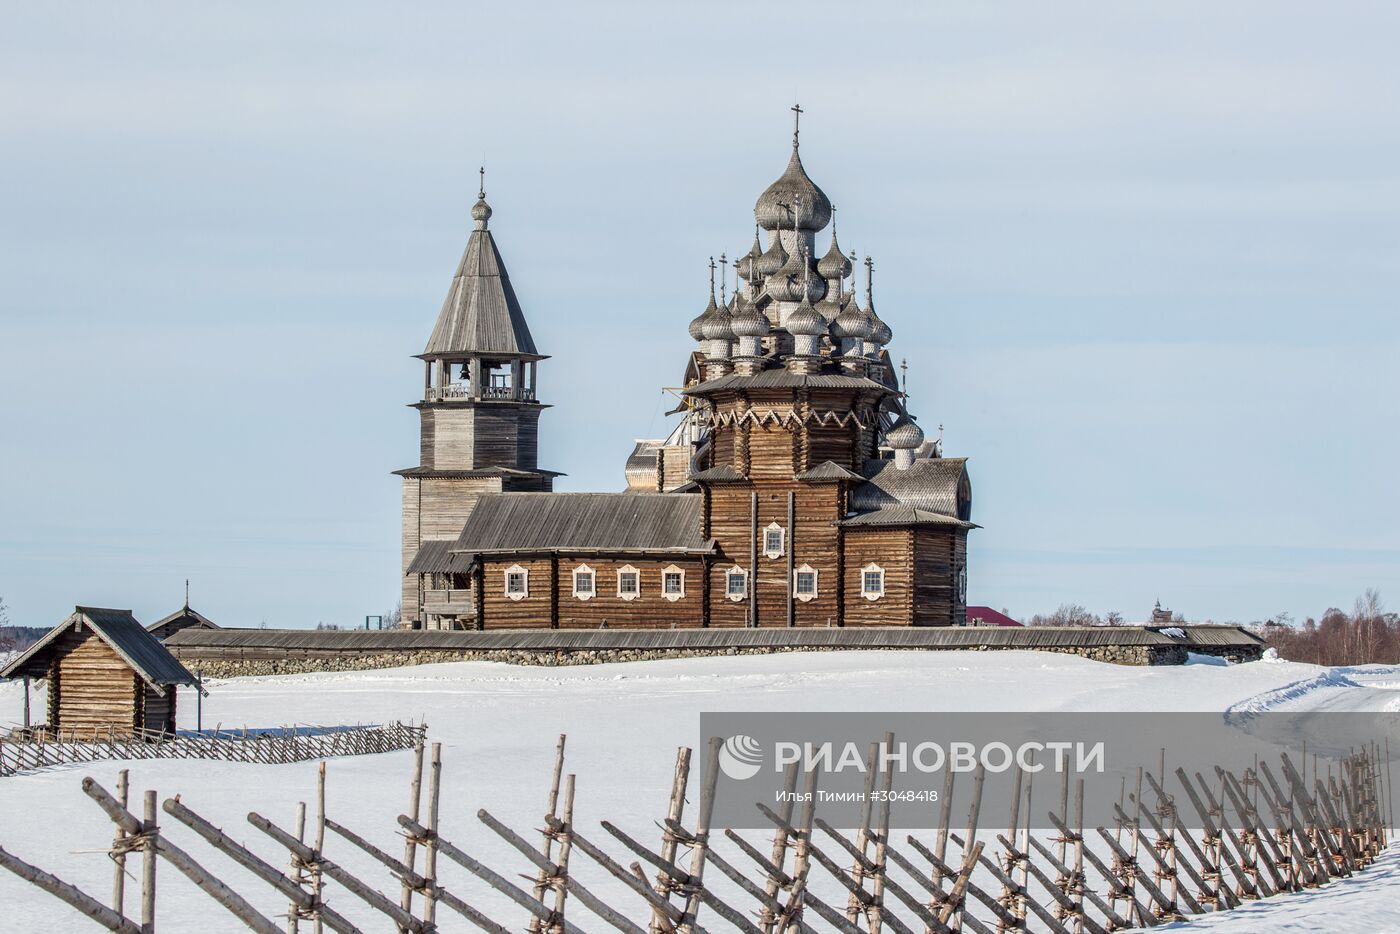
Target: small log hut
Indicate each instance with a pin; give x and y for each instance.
(105, 674)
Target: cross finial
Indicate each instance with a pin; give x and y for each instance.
(796, 122)
(724, 278)
(481, 189)
(869, 280)
(187, 593)
(904, 376)
(712, 278)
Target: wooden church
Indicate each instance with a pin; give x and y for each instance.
(798, 490)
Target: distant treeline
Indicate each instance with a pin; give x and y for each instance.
(19, 638)
(1366, 635)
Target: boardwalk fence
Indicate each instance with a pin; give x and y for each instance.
(1267, 831)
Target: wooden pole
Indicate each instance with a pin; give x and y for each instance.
(566, 845)
(541, 880)
(119, 851)
(669, 838)
(26, 709)
(148, 866)
(430, 854)
(298, 869)
(867, 799)
(410, 847)
(317, 881)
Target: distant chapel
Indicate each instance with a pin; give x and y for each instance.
(797, 491)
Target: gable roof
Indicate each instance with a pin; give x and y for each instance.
(481, 313)
(120, 630)
(185, 612)
(603, 522)
(829, 471)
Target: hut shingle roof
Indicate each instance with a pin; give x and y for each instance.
(120, 630)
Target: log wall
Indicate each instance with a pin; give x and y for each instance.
(893, 550)
(940, 557)
(95, 689)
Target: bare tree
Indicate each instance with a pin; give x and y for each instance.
(1068, 614)
(1113, 618)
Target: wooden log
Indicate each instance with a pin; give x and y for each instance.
(1169, 909)
(541, 883)
(675, 808)
(410, 846)
(1247, 888)
(772, 885)
(854, 905)
(480, 870)
(430, 853)
(255, 864)
(1308, 868)
(118, 849)
(948, 872)
(365, 893)
(148, 863)
(1075, 886)
(1116, 888)
(657, 903)
(70, 894)
(702, 836)
(419, 882)
(1179, 865)
(1250, 821)
(879, 883)
(152, 843)
(561, 890)
(1217, 895)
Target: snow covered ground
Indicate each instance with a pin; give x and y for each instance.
(498, 725)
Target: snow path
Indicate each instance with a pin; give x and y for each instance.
(498, 724)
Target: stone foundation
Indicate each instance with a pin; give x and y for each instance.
(300, 664)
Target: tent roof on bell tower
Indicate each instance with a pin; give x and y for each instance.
(481, 314)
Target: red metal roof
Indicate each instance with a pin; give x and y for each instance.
(986, 616)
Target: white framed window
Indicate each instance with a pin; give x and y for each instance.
(736, 583)
(672, 583)
(872, 582)
(629, 582)
(517, 582)
(804, 583)
(962, 583)
(585, 582)
(773, 541)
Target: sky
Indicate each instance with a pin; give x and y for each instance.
(1143, 260)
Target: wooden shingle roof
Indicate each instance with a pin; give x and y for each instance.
(120, 630)
(929, 484)
(481, 314)
(577, 522)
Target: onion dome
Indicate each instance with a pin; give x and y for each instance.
(904, 435)
(793, 199)
(697, 324)
(852, 323)
(746, 265)
(805, 321)
(771, 260)
(748, 321)
(481, 211)
(835, 264)
(718, 324)
(880, 333)
(795, 280)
